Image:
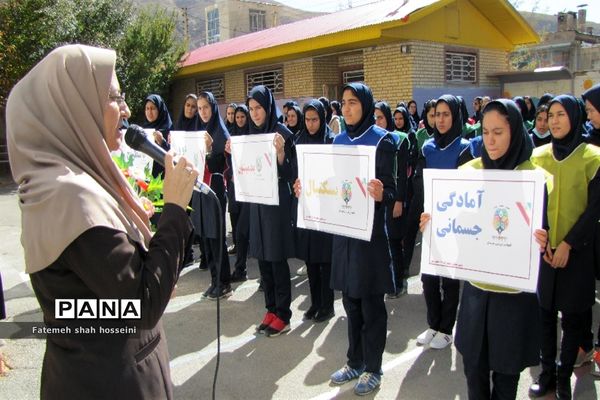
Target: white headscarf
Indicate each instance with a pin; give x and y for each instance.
(68, 182)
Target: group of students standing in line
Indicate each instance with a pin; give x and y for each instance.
(499, 330)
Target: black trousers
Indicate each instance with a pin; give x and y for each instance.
(367, 329)
(212, 248)
(587, 335)
(277, 287)
(400, 271)
(233, 218)
(242, 238)
(413, 217)
(478, 378)
(441, 297)
(321, 294)
(572, 325)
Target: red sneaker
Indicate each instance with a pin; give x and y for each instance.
(277, 327)
(269, 317)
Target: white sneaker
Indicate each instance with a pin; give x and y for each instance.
(301, 271)
(426, 337)
(440, 341)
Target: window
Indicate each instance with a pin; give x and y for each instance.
(213, 33)
(461, 67)
(215, 86)
(357, 75)
(272, 79)
(257, 20)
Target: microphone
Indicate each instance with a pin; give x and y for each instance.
(136, 138)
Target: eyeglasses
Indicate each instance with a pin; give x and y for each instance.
(119, 98)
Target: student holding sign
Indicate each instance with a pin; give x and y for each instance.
(271, 233)
(498, 328)
(362, 269)
(567, 282)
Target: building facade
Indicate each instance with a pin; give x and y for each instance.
(418, 50)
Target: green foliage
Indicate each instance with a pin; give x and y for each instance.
(147, 47)
(148, 56)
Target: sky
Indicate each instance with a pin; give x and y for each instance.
(542, 6)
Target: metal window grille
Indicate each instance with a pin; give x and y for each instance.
(215, 86)
(213, 34)
(258, 20)
(357, 75)
(272, 79)
(461, 67)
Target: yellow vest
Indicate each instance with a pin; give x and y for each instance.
(478, 164)
(568, 198)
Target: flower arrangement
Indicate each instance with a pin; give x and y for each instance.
(144, 184)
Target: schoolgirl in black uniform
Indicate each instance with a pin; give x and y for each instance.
(540, 133)
(498, 329)
(314, 247)
(566, 281)
(360, 269)
(271, 231)
(205, 217)
(238, 211)
(394, 217)
(443, 151)
(157, 117)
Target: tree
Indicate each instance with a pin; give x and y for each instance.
(148, 56)
(147, 47)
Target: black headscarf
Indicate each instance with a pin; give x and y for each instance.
(365, 96)
(387, 113)
(407, 128)
(442, 141)
(230, 125)
(215, 126)
(426, 107)
(521, 145)
(265, 98)
(520, 101)
(593, 96)
(163, 122)
(187, 124)
(562, 148)
(323, 135)
(328, 113)
(300, 120)
(530, 112)
(464, 111)
(244, 129)
(545, 99)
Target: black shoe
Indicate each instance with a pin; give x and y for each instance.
(260, 286)
(324, 315)
(239, 276)
(546, 382)
(225, 291)
(563, 389)
(310, 313)
(208, 291)
(231, 249)
(203, 267)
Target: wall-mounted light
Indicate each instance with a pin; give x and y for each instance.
(405, 49)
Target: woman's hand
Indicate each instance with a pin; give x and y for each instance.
(375, 188)
(297, 188)
(208, 141)
(561, 255)
(158, 137)
(397, 211)
(423, 221)
(541, 237)
(148, 206)
(179, 181)
(279, 144)
(228, 146)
